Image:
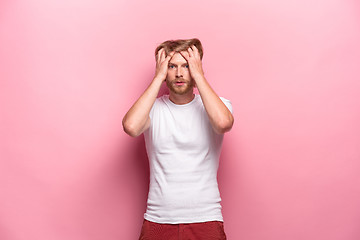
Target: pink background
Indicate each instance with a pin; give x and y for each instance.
(69, 71)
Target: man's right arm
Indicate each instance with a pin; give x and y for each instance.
(137, 119)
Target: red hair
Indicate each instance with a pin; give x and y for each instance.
(179, 45)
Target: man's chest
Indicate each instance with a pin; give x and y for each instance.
(181, 130)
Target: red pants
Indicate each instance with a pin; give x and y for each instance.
(213, 230)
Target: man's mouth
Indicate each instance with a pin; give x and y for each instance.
(179, 83)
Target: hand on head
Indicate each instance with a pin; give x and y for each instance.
(192, 56)
(162, 63)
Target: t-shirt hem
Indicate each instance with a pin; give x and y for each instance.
(183, 220)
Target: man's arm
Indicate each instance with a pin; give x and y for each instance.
(220, 117)
(137, 119)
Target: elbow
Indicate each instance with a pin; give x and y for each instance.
(130, 129)
(225, 125)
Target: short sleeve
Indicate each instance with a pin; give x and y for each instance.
(151, 114)
(227, 104)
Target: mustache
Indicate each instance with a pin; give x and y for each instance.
(179, 80)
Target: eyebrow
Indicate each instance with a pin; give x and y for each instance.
(170, 63)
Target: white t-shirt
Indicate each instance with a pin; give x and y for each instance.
(183, 151)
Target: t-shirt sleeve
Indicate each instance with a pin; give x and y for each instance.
(227, 104)
(151, 114)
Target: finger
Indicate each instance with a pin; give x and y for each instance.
(195, 50)
(159, 55)
(185, 54)
(191, 52)
(162, 55)
(170, 56)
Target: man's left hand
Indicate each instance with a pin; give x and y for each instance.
(192, 56)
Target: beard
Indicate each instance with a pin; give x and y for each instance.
(182, 89)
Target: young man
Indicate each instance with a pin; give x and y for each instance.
(183, 134)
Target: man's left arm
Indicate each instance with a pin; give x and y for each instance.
(220, 117)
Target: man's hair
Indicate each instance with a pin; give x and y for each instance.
(179, 45)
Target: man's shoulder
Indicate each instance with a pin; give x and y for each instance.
(160, 101)
(162, 97)
(227, 103)
(224, 99)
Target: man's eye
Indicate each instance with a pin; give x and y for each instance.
(171, 66)
(187, 66)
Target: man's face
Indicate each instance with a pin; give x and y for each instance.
(178, 77)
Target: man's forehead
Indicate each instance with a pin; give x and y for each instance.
(177, 59)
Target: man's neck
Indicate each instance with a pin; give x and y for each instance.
(181, 99)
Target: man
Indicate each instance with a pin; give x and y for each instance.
(183, 134)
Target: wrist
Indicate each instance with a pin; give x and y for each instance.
(158, 79)
(199, 77)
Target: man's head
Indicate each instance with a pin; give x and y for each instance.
(178, 78)
(179, 45)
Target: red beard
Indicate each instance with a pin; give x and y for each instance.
(180, 86)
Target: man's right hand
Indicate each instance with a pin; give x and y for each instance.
(137, 119)
(162, 63)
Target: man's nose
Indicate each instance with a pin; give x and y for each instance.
(178, 72)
